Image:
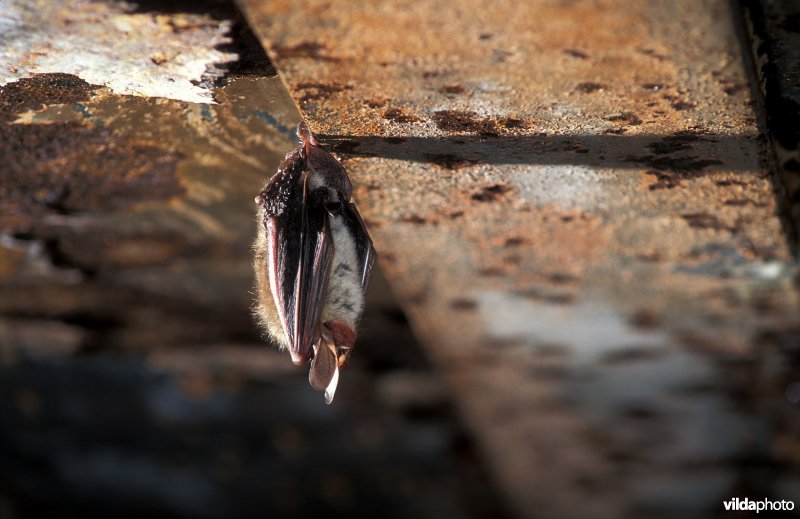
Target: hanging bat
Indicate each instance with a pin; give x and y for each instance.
(313, 259)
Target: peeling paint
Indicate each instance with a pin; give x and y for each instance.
(106, 43)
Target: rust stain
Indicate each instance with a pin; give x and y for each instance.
(399, 115)
(453, 89)
(304, 49)
(588, 87)
(316, 90)
(41, 90)
(464, 122)
(491, 193)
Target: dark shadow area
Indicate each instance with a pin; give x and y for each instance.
(685, 152)
(220, 9)
(671, 158)
(218, 425)
(252, 61)
(764, 43)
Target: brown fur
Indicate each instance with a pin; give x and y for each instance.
(264, 309)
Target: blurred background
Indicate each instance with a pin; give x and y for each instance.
(586, 300)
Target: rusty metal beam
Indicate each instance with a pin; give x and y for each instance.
(573, 202)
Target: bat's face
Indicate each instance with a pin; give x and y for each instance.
(313, 259)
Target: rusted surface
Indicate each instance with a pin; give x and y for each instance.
(50, 173)
(574, 204)
(41, 90)
(133, 381)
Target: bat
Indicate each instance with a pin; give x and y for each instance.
(312, 260)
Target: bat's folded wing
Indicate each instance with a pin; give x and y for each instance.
(300, 256)
(364, 249)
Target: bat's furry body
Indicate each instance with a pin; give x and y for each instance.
(312, 260)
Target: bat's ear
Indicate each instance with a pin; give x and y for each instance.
(324, 374)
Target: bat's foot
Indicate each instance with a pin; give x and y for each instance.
(305, 136)
(339, 333)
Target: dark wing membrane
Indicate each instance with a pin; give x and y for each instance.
(283, 200)
(283, 189)
(364, 249)
(315, 264)
(300, 255)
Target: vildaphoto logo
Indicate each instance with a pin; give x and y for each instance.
(762, 505)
